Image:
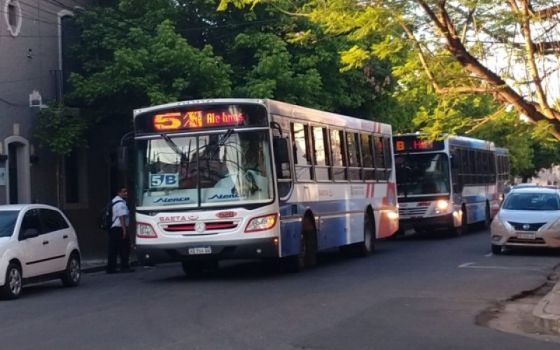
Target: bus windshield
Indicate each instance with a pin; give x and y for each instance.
(204, 170)
(419, 174)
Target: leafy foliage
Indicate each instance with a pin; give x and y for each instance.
(60, 129)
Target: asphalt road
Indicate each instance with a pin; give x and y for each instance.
(413, 293)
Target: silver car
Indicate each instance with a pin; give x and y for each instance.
(529, 217)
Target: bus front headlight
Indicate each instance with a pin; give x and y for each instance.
(145, 230)
(442, 206)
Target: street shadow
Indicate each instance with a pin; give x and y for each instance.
(531, 251)
(255, 270)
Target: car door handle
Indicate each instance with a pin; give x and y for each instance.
(65, 236)
(45, 242)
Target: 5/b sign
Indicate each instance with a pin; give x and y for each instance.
(164, 180)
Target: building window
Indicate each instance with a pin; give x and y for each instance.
(75, 179)
(12, 14)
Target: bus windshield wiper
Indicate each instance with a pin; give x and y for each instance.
(221, 142)
(173, 145)
(225, 137)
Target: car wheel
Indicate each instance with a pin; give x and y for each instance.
(13, 283)
(497, 249)
(73, 272)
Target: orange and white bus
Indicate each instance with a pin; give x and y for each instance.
(247, 178)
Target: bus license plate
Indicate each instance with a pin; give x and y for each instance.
(526, 235)
(200, 250)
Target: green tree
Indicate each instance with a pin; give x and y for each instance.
(125, 64)
(60, 129)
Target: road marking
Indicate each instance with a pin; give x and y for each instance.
(471, 265)
(489, 255)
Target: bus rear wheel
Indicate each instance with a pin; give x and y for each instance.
(367, 246)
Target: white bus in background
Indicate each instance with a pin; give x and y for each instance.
(247, 178)
(446, 184)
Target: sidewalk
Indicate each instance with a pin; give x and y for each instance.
(93, 265)
(547, 311)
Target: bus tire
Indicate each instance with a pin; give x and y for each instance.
(463, 228)
(307, 254)
(487, 219)
(367, 247)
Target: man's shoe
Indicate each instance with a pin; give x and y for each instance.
(127, 270)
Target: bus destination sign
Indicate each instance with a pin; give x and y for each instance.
(172, 121)
(407, 144)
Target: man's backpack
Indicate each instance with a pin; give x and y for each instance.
(105, 217)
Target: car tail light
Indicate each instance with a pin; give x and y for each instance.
(145, 230)
(262, 223)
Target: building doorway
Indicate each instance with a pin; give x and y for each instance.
(19, 184)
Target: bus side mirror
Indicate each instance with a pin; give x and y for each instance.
(281, 150)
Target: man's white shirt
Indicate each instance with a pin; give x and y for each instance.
(119, 209)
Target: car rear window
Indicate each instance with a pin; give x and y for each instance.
(7, 222)
(532, 201)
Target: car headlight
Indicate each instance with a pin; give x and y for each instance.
(499, 224)
(555, 226)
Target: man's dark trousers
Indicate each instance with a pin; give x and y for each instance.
(117, 246)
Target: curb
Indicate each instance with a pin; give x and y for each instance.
(547, 311)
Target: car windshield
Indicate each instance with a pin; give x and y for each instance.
(419, 174)
(532, 201)
(205, 170)
(7, 222)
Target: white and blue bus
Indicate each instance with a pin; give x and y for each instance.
(247, 178)
(446, 184)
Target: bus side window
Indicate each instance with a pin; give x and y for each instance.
(380, 166)
(464, 168)
(352, 144)
(367, 157)
(301, 149)
(456, 177)
(321, 156)
(388, 156)
(338, 155)
(282, 164)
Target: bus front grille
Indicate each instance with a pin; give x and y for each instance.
(209, 227)
(417, 211)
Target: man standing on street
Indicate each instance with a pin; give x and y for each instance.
(119, 237)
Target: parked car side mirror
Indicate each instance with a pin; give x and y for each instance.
(30, 233)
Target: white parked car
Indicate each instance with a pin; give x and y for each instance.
(529, 217)
(37, 242)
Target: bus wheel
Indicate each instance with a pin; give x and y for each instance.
(196, 268)
(367, 247)
(460, 230)
(487, 219)
(307, 256)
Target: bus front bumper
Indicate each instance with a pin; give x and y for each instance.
(427, 223)
(238, 249)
